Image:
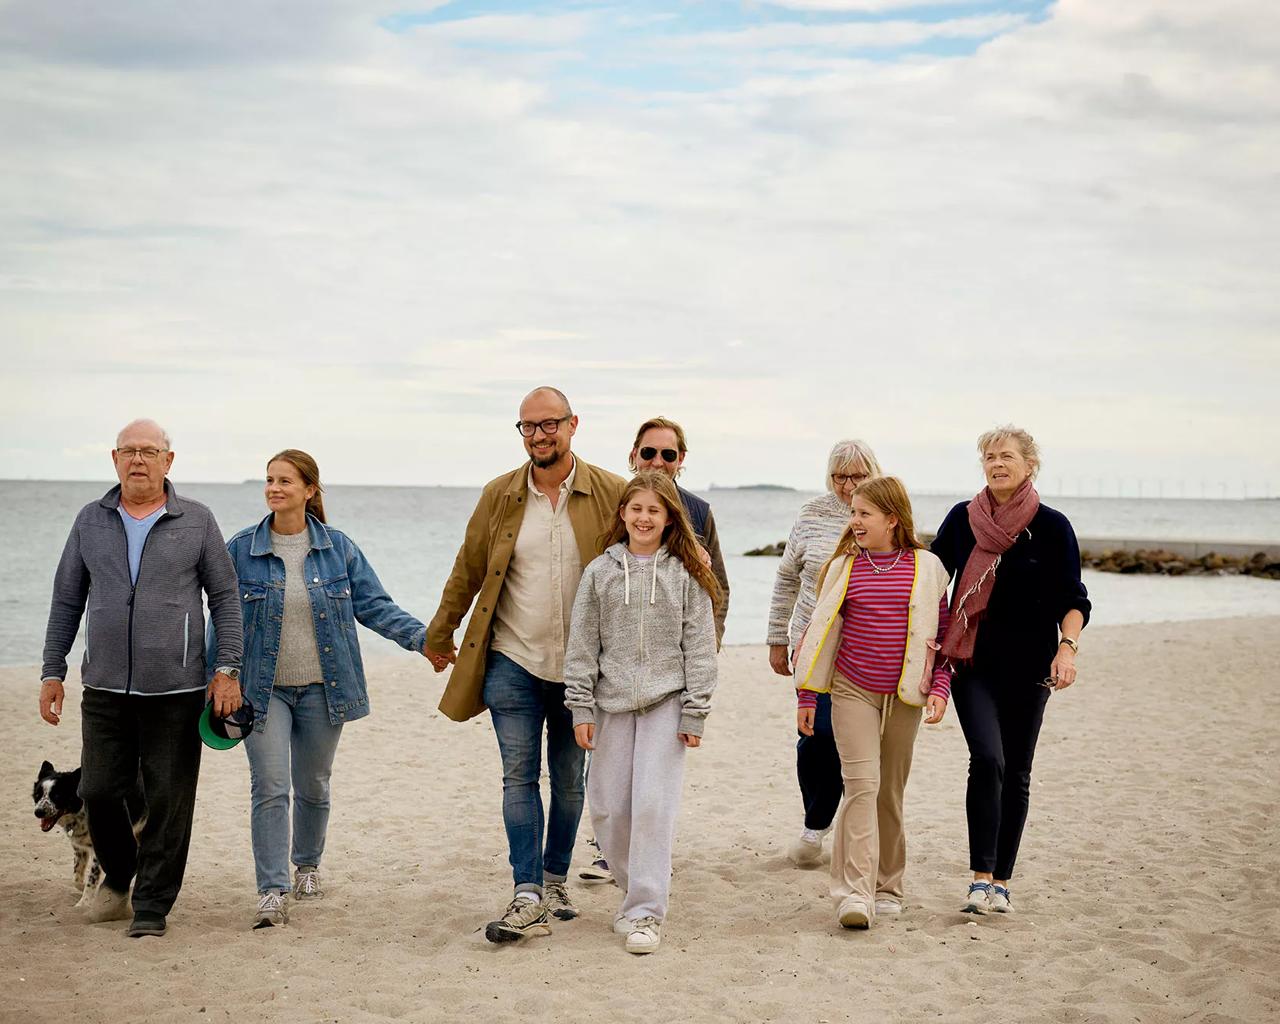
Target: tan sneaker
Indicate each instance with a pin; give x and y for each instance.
(556, 899)
(645, 935)
(272, 911)
(306, 883)
(522, 918)
(108, 905)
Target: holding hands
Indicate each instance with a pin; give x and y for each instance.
(440, 660)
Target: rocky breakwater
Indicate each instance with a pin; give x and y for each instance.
(1170, 563)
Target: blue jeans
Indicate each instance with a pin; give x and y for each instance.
(818, 769)
(519, 703)
(296, 744)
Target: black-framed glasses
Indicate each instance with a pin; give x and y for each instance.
(668, 454)
(148, 454)
(529, 427)
(845, 478)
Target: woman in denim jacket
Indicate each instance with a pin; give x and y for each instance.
(303, 588)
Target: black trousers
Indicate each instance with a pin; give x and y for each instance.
(157, 737)
(818, 769)
(1001, 723)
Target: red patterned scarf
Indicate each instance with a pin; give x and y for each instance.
(995, 528)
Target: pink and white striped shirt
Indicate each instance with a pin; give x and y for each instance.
(873, 641)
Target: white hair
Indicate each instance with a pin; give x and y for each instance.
(852, 454)
(164, 434)
(1026, 445)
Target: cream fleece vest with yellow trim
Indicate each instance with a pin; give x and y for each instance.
(816, 657)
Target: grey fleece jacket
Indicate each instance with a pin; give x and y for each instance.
(146, 638)
(641, 631)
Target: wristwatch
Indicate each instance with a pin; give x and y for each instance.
(1073, 644)
(229, 672)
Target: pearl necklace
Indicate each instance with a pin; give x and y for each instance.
(889, 568)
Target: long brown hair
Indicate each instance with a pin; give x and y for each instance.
(310, 473)
(677, 535)
(889, 495)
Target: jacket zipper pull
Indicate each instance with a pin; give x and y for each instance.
(133, 590)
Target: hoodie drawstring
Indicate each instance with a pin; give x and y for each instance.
(626, 580)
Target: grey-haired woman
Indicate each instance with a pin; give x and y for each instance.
(812, 541)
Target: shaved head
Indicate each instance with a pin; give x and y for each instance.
(546, 391)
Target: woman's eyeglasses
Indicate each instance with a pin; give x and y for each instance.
(668, 454)
(845, 478)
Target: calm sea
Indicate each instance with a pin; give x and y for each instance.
(411, 534)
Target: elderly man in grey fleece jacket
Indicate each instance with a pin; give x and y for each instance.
(640, 670)
(135, 566)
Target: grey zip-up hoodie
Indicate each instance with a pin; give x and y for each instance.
(146, 638)
(641, 631)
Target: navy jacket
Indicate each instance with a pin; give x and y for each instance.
(1037, 583)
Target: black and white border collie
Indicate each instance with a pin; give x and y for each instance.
(57, 800)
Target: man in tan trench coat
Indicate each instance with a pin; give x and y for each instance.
(532, 533)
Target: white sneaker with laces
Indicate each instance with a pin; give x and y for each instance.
(645, 935)
(806, 850)
(854, 913)
(272, 912)
(888, 906)
(977, 901)
(621, 924)
(1000, 901)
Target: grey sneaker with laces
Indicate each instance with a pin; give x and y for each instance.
(306, 883)
(272, 911)
(521, 919)
(977, 900)
(1000, 900)
(556, 900)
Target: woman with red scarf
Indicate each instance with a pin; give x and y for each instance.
(1017, 611)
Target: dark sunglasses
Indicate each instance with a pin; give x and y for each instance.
(668, 454)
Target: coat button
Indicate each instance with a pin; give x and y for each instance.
(327, 650)
(315, 579)
(333, 682)
(323, 615)
(497, 572)
(484, 609)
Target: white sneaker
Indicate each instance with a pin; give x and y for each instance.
(621, 925)
(108, 905)
(854, 913)
(888, 906)
(645, 935)
(1000, 901)
(977, 901)
(806, 850)
(271, 912)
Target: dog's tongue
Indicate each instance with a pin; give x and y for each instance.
(48, 823)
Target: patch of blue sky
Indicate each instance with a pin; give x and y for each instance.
(655, 47)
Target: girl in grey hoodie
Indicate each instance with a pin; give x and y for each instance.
(639, 673)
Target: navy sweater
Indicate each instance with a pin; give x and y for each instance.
(1036, 584)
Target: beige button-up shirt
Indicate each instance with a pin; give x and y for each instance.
(531, 619)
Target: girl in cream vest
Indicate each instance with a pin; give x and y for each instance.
(872, 643)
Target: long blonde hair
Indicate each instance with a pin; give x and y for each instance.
(677, 535)
(889, 495)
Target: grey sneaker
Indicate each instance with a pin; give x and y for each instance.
(556, 900)
(272, 911)
(108, 905)
(806, 850)
(1000, 900)
(522, 918)
(978, 899)
(645, 935)
(306, 883)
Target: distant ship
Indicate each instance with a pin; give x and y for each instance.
(750, 487)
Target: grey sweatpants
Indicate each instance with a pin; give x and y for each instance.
(633, 791)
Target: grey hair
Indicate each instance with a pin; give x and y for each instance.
(144, 422)
(1027, 446)
(855, 453)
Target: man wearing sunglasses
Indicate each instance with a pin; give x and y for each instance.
(660, 444)
(529, 538)
(136, 567)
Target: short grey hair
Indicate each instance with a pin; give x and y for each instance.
(1025, 443)
(852, 454)
(164, 434)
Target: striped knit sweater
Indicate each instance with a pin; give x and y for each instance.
(874, 638)
(812, 541)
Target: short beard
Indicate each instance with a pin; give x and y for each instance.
(546, 461)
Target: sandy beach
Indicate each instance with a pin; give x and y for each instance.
(1146, 888)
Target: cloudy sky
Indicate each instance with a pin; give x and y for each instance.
(366, 229)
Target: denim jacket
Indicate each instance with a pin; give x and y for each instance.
(343, 589)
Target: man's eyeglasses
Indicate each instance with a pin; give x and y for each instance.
(148, 454)
(844, 478)
(529, 427)
(668, 454)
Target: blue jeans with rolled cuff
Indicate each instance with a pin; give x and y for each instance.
(520, 704)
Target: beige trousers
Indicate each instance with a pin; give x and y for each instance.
(875, 735)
